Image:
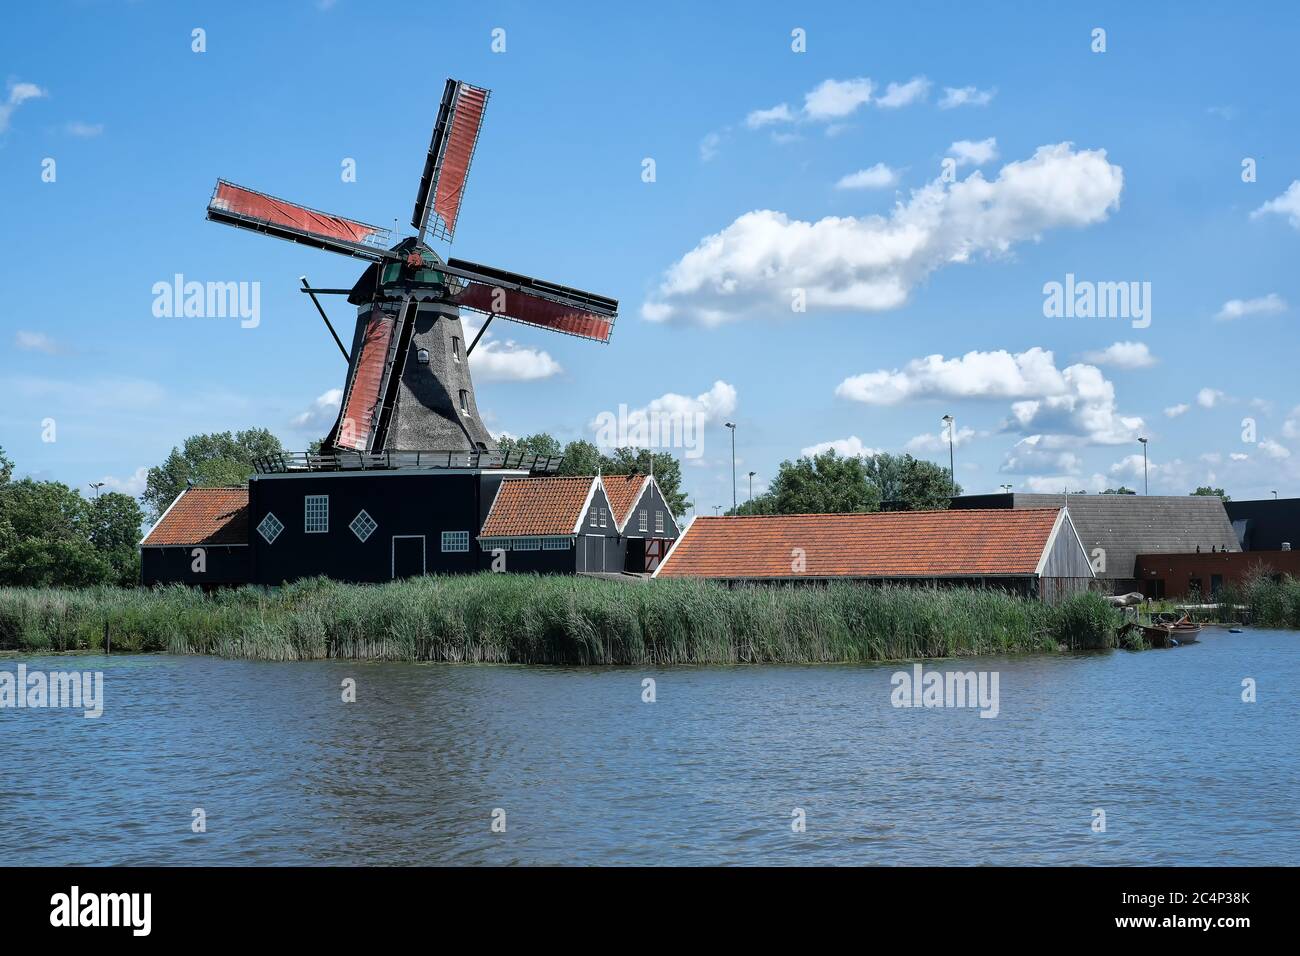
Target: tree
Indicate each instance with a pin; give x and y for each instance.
(538, 444)
(6, 467)
(822, 484)
(47, 537)
(1207, 491)
(219, 458)
(1121, 490)
(580, 458)
(112, 525)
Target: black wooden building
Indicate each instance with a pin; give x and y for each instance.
(406, 516)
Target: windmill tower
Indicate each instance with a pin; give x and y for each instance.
(408, 386)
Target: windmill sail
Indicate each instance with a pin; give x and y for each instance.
(369, 359)
(455, 134)
(534, 301)
(249, 209)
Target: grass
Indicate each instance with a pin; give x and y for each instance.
(554, 620)
(1268, 602)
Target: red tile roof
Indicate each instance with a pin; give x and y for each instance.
(623, 491)
(537, 506)
(883, 544)
(204, 516)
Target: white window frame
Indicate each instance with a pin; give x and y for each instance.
(643, 520)
(604, 518)
(464, 401)
(527, 544)
(555, 544)
(659, 521)
(455, 538)
(455, 349)
(307, 515)
(278, 531)
(595, 517)
(374, 526)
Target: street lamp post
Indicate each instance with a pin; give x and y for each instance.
(97, 485)
(1146, 487)
(716, 509)
(952, 474)
(732, 426)
(751, 484)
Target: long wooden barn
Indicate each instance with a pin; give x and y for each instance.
(1029, 552)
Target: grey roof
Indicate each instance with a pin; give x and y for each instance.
(1129, 525)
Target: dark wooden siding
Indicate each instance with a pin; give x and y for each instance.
(401, 504)
(226, 564)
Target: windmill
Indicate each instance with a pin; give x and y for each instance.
(408, 385)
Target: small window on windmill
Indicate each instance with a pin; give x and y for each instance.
(464, 402)
(422, 356)
(455, 349)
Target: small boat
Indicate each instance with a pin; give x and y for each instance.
(1172, 633)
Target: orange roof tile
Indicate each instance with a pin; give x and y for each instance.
(883, 544)
(203, 516)
(623, 491)
(537, 506)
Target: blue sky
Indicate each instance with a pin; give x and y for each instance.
(923, 296)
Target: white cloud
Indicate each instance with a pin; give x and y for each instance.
(1060, 484)
(132, 485)
(1131, 466)
(494, 360)
(1287, 204)
(835, 99)
(974, 153)
(709, 146)
(1239, 456)
(1291, 428)
(780, 113)
(1273, 450)
(1076, 401)
(873, 262)
(1208, 397)
(878, 176)
(19, 93)
(1173, 411)
(1123, 355)
(1031, 454)
(708, 408)
(83, 130)
(904, 94)
(851, 447)
(938, 441)
(322, 413)
(1269, 304)
(36, 342)
(965, 96)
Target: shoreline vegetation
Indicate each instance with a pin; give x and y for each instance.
(554, 620)
(520, 619)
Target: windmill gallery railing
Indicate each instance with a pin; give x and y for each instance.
(302, 461)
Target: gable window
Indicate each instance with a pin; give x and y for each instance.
(464, 402)
(643, 520)
(455, 349)
(317, 514)
(659, 522)
(363, 526)
(595, 517)
(604, 516)
(455, 541)
(270, 528)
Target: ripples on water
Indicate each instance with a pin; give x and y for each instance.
(587, 773)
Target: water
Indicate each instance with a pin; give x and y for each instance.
(586, 773)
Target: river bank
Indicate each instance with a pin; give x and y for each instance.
(554, 620)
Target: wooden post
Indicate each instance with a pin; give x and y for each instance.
(108, 639)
